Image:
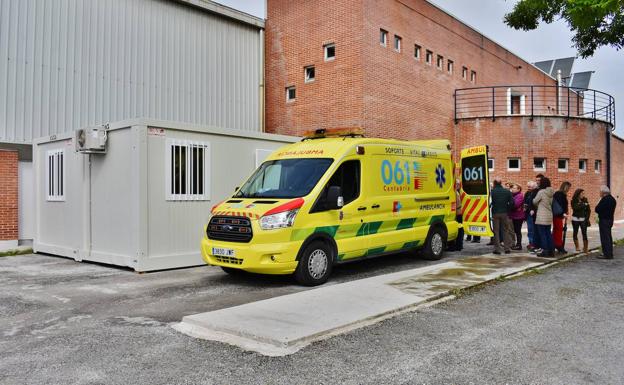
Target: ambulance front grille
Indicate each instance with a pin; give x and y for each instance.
(230, 260)
(230, 229)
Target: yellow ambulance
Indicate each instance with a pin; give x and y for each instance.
(336, 197)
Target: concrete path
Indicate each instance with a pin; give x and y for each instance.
(283, 325)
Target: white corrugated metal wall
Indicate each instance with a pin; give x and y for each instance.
(66, 64)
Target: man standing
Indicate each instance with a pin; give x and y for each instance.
(502, 202)
(459, 242)
(606, 210)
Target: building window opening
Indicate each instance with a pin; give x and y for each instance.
(429, 57)
(464, 73)
(187, 170)
(597, 166)
(473, 76)
(515, 103)
(397, 43)
(449, 67)
(417, 49)
(330, 51)
(562, 165)
(582, 165)
(383, 37)
(440, 62)
(539, 164)
(491, 164)
(291, 94)
(309, 74)
(55, 171)
(513, 164)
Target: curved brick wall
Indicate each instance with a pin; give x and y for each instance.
(548, 137)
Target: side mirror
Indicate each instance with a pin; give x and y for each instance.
(334, 198)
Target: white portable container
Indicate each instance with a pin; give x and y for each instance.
(144, 202)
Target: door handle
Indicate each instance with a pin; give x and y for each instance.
(375, 206)
(361, 208)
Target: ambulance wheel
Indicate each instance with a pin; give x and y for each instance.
(435, 244)
(315, 265)
(233, 271)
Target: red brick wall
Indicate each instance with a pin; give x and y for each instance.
(617, 174)
(295, 36)
(390, 94)
(8, 195)
(550, 138)
(407, 98)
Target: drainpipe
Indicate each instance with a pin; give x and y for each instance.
(608, 157)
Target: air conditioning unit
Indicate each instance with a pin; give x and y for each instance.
(91, 140)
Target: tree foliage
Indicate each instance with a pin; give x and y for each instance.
(595, 23)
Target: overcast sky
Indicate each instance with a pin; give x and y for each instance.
(549, 41)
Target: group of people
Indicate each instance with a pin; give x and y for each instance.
(546, 213)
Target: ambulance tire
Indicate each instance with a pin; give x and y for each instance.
(435, 244)
(315, 265)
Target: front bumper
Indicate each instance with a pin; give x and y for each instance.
(265, 258)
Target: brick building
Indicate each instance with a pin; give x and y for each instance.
(399, 69)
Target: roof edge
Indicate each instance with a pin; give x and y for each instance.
(487, 37)
(223, 10)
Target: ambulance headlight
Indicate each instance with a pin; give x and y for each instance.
(279, 220)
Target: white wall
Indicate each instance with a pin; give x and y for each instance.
(26, 200)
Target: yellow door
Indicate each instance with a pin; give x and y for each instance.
(475, 191)
(343, 224)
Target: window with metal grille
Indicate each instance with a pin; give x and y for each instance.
(55, 171)
(188, 170)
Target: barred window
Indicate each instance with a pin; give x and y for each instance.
(55, 171)
(188, 170)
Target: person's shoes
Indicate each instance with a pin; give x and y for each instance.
(530, 247)
(475, 241)
(602, 256)
(517, 247)
(562, 251)
(546, 254)
(536, 250)
(496, 252)
(585, 246)
(576, 246)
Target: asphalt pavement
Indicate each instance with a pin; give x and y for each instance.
(75, 323)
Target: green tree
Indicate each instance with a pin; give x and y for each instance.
(595, 23)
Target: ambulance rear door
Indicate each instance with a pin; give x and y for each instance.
(475, 191)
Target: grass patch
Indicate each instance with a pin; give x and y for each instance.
(10, 253)
(619, 242)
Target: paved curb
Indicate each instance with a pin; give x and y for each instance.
(227, 328)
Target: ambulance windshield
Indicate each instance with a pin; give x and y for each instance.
(286, 178)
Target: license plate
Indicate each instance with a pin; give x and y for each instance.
(476, 229)
(222, 252)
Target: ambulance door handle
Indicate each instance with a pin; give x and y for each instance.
(375, 206)
(361, 208)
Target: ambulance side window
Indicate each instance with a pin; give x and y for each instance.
(347, 176)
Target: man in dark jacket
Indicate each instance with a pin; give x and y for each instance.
(606, 210)
(502, 202)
